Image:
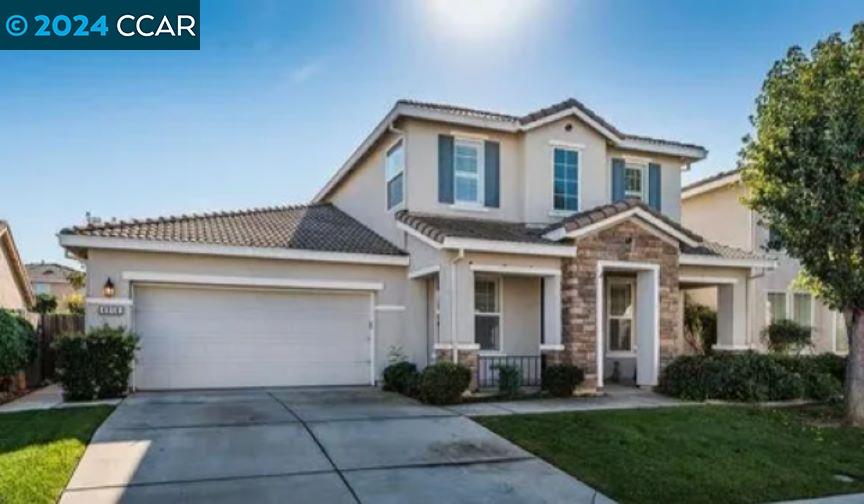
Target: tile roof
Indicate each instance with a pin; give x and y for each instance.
(318, 227)
(49, 272)
(438, 228)
(603, 212)
(540, 114)
(708, 180)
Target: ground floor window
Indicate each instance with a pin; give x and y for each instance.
(620, 311)
(487, 313)
(776, 308)
(841, 340)
(802, 309)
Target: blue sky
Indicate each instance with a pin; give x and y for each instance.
(282, 92)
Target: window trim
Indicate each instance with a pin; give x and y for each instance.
(556, 212)
(642, 166)
(498, 280)
(630, 282)
(387, 178)
(480, 202)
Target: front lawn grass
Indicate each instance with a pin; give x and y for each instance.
(710, 454)
(40, 449)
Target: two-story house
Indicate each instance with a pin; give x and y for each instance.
(772, 294)
(450, 233)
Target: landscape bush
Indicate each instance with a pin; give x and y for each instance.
(509, 380)
(444, 383)
(750, 377)
(561, 380)
(402, 377)
(17, 344)
(784, 335)
(95, 365)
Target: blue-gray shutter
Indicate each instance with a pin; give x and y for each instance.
(445, 168)
(617, 179)
(492, 176)
(654, 186)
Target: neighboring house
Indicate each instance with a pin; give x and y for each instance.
(713, 208)
(451, 234)
(15, 292)
(52, 278)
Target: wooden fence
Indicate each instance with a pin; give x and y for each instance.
(49, 328)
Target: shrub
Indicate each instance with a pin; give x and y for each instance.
(830, 363)
(734, 377)
(822, 386)
(17, 343)
(700, 326)
(95, 365)
(784, 335)
(444, 383)
(509, 380)
(402, 377)
(561, 379)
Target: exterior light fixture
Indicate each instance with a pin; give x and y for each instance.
(108, 288)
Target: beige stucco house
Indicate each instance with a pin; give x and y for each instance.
(713, 207)
(51, 278)
(15, 292)
(448, 234)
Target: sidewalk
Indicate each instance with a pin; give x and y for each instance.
(614, 397)
(49, 397)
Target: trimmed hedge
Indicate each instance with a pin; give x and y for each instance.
(561, 380)
(749, 377)
(402, 377)
(509, 380)
(444, 383)
(96, 365)
(17, 343)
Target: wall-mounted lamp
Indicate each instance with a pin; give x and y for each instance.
(108, 288)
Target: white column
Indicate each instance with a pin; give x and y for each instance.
(552, 313)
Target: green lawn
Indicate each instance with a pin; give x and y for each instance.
(711, 454)
(40, 449)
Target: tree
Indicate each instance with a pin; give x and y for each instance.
(77, 279)
(804, 170)
(45, 303)
(75, 303)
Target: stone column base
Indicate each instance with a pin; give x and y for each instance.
(467, 356)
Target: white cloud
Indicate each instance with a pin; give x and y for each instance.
(305, 72)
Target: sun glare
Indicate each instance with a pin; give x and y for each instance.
(479, 19)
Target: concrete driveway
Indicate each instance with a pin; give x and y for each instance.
(306, 445)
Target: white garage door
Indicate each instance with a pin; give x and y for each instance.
(209, 337)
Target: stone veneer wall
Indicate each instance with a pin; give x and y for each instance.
(467, 358)
(624, 242)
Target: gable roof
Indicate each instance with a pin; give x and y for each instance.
(17, 266)
(513, 124)
(49, 272)
(317, 228)
(707, 184)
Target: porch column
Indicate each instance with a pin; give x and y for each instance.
(552, 314)
(732, 317)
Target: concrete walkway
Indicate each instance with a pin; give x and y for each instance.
(47, 398)
(613, 397)
(329, 445)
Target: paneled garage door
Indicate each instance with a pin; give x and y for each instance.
(194, 337)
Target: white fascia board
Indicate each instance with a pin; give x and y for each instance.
(582, 117)
(97, 242)
(560, 233)
(237, 281)
(505, 247)
(515, 270)
(364, 147)
(707, 280)
(732, 178)
(419, 236)
(700, 260)
(424, 272)
(691, 153)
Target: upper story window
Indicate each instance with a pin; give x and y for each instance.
(42, 288)
(566, 180)
(468, 172)
(634, 180)
(394, 173)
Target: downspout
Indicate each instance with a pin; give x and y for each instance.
(455, 350)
